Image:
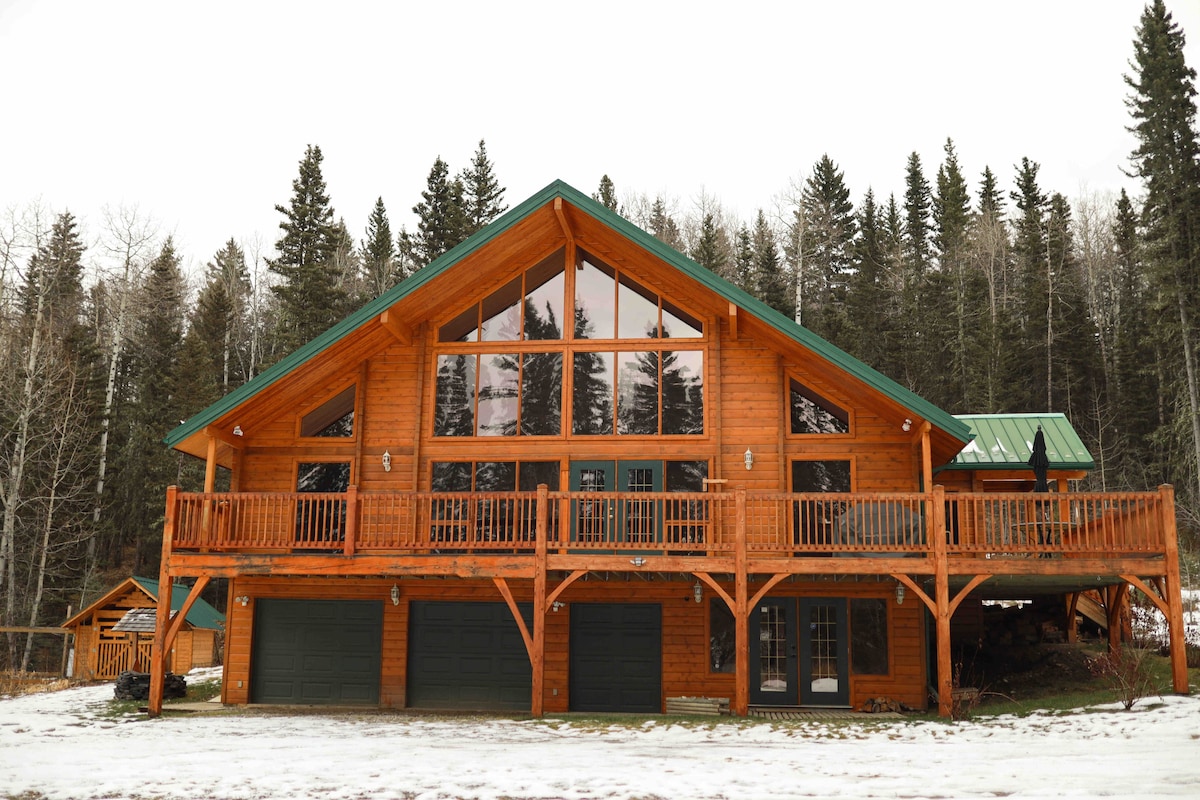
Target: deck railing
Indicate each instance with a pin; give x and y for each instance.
(672, 523)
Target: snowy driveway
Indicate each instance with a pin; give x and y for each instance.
(62, 746)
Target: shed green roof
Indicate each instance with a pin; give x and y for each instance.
(558, 189)
(200, 615)
(1005, 441)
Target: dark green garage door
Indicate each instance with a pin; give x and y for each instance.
(316, 651)
(468, 656)
(616, 657)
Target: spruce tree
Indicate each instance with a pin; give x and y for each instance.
(441, 218)
(1031, 261)
(144, 467)
(483, 196)
(310, 298)
(606, 194)
(770, 280)
(379, 252)
(868, 314)
(711, 250)
(829, 227)
(220, 322)
(663, 227)
(1167, 159)
(743, 260)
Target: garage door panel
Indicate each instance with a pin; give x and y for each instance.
(616, 657)
(316, 651)
(467, 655)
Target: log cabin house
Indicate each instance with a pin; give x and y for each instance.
(104, 648)
(563, 467)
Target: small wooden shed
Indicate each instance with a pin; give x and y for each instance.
(104, 647)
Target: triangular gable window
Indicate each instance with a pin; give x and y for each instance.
(812, 413)
(332, 419)
(529, 308)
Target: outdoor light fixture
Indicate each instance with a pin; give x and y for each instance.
(237, 430)
(395, 594)
(698, 592)
(899, 594)
(748, 457)
(241, 598)
(556, 605)
(907, 426)
(387, 461)
(638, 561)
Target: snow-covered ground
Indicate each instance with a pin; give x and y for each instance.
(64, 745)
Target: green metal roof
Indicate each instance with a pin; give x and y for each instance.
(200, 615)
(1005, 441)
(905, 398)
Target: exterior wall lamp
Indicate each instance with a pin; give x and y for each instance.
(395, 594)
(556, 605)
(748, 458)
(387, 461)
(899, 594)
(698, 592)
(237, 430)
(241, 598)
(906, 426)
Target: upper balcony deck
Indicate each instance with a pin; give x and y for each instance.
(482, 534)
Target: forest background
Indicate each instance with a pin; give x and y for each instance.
(983, 296)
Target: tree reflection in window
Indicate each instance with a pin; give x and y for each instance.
(528, 307)
(812, 413)
(454, 408)
(332, 419)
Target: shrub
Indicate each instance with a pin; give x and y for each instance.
(1128, 672)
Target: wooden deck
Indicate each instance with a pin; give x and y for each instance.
(940, 546)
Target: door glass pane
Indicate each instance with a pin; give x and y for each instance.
(637, 311)
(722, 637)
(637, 393)
(591, 516)
(321, 519)
(639, 514)
(591, 402)
(497, 395)
(823, 666)
(683, 392)
(454, 408)
(772, 649)
(541, 394)
(595, 290)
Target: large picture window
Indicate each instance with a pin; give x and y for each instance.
(645, 388)
(332, 419)
(868, 636)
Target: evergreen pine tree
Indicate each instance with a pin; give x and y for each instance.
(868, 315)
(144, 467)
(606, 195)
(1031, 261)
(379, 252)
(711, 250)
(441, 218)
(663, 226)
(310, 298)
(770, 280)
(829, 227)
(743, 260)
(220, 323)
(483, 196)
(1167, 159)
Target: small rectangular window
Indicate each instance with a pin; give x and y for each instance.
(722, 637)
(868, 636)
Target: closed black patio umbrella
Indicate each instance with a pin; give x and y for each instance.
(1041, 465)
(1039, 462)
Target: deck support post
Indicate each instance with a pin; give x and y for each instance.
(541, 548)
(1172, 590)
(945, 667)
(1114, 600)
(741, 615)
(162, 617)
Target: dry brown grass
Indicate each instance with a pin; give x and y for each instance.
(14, 684)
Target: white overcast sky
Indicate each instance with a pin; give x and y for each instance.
(198, 114)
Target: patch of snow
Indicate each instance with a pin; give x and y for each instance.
(65, 745)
